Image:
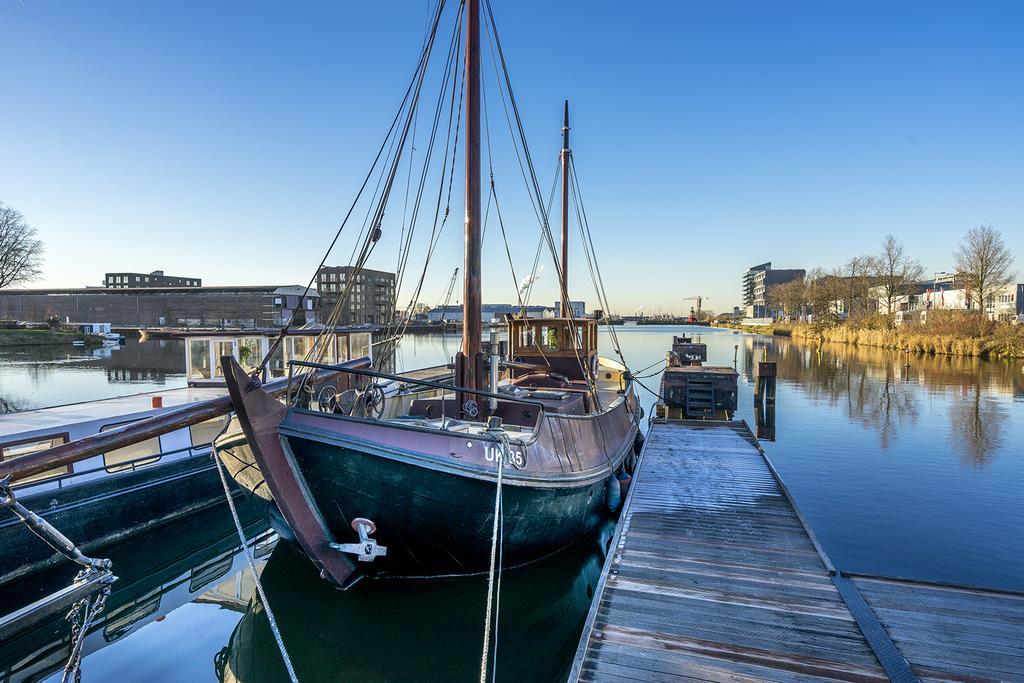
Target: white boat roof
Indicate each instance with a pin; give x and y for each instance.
(108, 410)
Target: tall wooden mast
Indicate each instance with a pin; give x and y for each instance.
(472, 346)
(565, 213)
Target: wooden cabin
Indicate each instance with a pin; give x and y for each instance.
(565, 346)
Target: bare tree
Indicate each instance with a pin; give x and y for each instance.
(984, 262)
(826, 291)
(21, 253)
(895, 272)
(857, 273)
(791, 297)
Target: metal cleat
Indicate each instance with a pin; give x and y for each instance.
(367, 548)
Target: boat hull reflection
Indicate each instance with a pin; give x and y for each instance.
(389, 629)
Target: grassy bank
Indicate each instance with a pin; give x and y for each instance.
(951, 333)
(781, 330)
(43, 337)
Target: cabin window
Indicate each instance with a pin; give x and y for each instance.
(199, 359)
(204, 433)
(133, 456)
(360, 344)
(13, 451)
(276, 362)
(249, 353)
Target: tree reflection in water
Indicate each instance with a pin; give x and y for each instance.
(884, 390)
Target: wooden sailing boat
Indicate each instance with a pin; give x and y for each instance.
(419, 469)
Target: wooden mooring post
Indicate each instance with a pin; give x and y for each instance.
(764, 382)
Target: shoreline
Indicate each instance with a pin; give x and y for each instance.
(19, 338)
(1006, 344)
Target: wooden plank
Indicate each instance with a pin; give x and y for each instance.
(715, 576)
(712, 576)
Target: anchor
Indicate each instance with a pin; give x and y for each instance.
(367, 548)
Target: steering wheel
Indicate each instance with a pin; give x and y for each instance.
(372, 401)
(327, 399)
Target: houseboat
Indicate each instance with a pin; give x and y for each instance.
(121, 492)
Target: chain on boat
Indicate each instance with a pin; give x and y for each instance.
(93, 572)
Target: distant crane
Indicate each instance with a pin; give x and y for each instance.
(448, 296)
(639, 312)
(700, 300)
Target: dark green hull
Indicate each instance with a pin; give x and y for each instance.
(107, 510)
(435, 521)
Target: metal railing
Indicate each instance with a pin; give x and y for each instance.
(417, 382)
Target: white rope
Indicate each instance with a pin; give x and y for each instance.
(252, 568)
(495, 541)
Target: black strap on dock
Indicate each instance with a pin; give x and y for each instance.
(889, 656)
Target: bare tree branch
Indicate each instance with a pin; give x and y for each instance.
(895, 272)
(985, 263)
(21, 252)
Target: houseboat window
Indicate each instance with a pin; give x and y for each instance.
(249, 353)
(221, 349)
(276, 365)
(120, 621)
(325, 350)
(204, 433)
(131, 457)
(209, 572)
(199, 359)
(360, 343)
(20, 450)
(298, 348)
(342, 343)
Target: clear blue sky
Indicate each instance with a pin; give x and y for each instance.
(225, 140)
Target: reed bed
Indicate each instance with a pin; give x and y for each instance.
(950, 333)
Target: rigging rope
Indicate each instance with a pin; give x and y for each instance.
(495, 543)
(252, 567)
(416, 82)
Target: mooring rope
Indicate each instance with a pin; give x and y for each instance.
(252, 568)
(495, 542)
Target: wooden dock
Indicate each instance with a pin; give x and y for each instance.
(713, 575)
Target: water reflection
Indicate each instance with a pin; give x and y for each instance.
(886, 391)
(198, 558)
(395, 630)
(977, 426)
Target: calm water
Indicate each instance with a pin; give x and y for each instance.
(904, 467)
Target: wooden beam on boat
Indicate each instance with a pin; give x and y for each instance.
(260, 415)
(140, 430)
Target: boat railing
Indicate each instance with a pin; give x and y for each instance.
(133, 465)
(444, 386)
(134, 432)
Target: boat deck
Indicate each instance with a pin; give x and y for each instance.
(714, 576)
(120, 407)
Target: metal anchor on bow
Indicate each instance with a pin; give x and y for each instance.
(367, 549)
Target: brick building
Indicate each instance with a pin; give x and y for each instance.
(154, 279)
(257, 306)
(370, 300)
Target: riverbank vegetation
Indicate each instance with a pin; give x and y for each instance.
(952, 333)
(23, 337)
